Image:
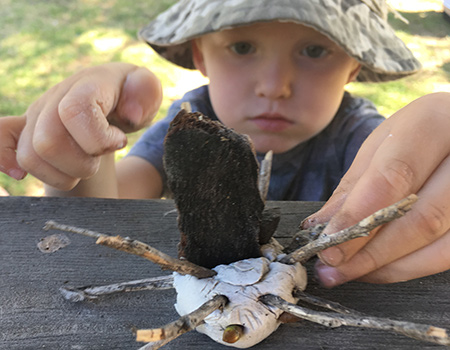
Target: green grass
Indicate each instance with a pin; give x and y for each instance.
(42, 42)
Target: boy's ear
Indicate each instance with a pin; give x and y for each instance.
(197, 57)
(354, 73)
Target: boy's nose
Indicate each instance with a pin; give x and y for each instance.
(274, 81)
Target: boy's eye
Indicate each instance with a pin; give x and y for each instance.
(242, 48)
(314, 51)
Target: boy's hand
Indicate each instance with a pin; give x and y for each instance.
(409, 153)
(63, 134)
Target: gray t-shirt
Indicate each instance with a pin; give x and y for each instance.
(308, 172)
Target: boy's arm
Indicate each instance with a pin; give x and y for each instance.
(102, 184)
(63, 135)
(139, 179)
(408, 153)
(131, 177)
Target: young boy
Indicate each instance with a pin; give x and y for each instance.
(277, 73)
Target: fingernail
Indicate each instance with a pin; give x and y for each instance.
(17, 174)
(310, 221)
(332, 256)
(328, 276)
(121, 144)
(133, 112)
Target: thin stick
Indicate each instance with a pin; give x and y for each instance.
(186, 106)
(324, 303)
(155, 345)
(53, 225)
(331, 319)
(91, 293)
(165, 261)
(186, 323)
(304, 237)
(264, 175)
(361, 229)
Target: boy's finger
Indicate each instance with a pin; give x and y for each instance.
(10, 129)
(39, 168)
(45, 139)
(139, 101)
(84, 110)
(52, 143)
(99, 108)
(29, 160)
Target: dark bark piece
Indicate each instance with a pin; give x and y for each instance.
(213, 174)
(269, 223)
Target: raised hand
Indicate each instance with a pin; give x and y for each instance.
(409, 153)
(62, 135)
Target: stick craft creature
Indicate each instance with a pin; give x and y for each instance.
(234, 282)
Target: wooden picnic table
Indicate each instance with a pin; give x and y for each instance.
(34, 315)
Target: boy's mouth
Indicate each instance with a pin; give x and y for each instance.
(271, 122)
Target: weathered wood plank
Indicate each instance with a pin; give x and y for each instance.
(33, 315)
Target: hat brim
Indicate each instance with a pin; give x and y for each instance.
(351, 24)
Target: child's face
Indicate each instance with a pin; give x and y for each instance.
(279, 83)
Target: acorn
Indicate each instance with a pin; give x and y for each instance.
(232, 333)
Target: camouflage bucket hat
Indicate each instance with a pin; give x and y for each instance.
(360, 27)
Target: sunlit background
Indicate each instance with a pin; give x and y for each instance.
(43, 42)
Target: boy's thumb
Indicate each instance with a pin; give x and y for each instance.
(139, 101)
